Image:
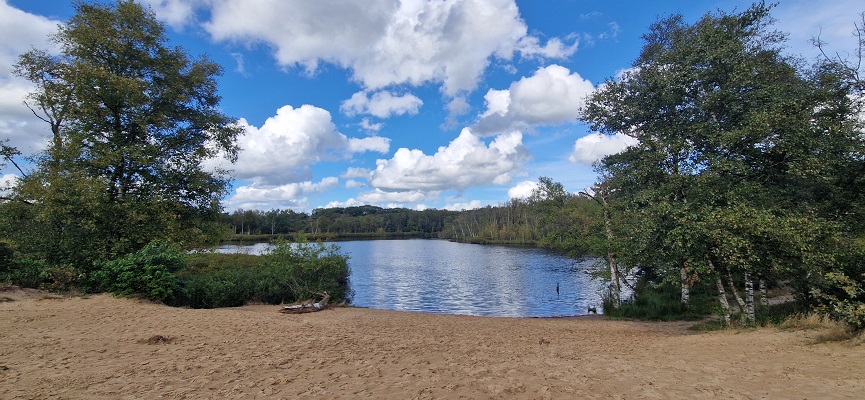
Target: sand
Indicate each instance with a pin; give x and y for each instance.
(106, 347)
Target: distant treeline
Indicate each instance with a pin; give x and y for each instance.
(551, 219)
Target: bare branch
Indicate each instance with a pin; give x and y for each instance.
(20, 200)
(35, 113)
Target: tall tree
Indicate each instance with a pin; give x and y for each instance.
(735, 146)
(132, 120)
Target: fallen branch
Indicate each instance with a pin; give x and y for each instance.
(307, 306)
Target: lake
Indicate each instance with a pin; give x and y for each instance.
(439, 276)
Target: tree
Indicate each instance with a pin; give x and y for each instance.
(736, 144)
(132, 120)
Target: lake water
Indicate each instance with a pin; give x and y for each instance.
(456, 278)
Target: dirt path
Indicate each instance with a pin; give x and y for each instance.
(105, 347)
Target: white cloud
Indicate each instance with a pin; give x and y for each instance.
(522, 190)
(342, 204)
(593, 147)
(383, 104)
(465, 162)
(381, 196)
(370, 127)
(386, 42)
(377, 144)
(19, 32)
(7, 182)
(277, 196)
(282, 150)
(456, 107)
(472, 205)
(353, 184)
(555, 48)
(553, 95)
(354, 172)
(175, 13)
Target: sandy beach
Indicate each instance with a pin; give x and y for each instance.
(103, 347)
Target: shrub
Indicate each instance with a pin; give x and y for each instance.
(149, 272)
(843, 297)
(306, 268)
(660, 302)
(26, 272)
(288, 273)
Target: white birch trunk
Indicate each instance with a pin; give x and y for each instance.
(732, 284)
(722, 298)
(764, 297)
(615, 278)
(686, 289)
(749, 298)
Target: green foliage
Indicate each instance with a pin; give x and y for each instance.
(843, 297)
(660, 302)
(25, 272)
(744, 161)
(131, 120)
(289, 273)
(308, 268)
(149, 272)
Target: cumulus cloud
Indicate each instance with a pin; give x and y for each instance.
(381, 196)
(342, 204)
(353, 184)
(593, 147)
(553, 95)
(282, 149)
(472, 205)
(7, 182)
(383, 104)
(377, 144)
(278, 196)
(465, 162)
(19, 32)
(386, 42)
(353, 172)
(370, 127)
(522, 190)
(175, 13)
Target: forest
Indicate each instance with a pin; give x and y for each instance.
(551, 218)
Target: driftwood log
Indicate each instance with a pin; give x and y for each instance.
(308, 305)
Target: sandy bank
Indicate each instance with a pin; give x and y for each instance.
(105, 347)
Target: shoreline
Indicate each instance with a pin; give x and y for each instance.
(101, 346)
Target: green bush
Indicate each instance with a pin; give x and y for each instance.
(288, 273)
(843, 297)
(661, 302)
(308, 268)
(25, 272)
(149, 272)
(60, 278)
(7, 254)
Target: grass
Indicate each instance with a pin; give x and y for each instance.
(829, 330)
(661, 302)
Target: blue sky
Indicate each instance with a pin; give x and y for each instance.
(404, 103)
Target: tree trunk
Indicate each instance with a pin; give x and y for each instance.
(722, 298)
(686, 289)
(615, 278)
(749, 298)
(732, 284)
(764, 297)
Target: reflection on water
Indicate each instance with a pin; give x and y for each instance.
(456, 278)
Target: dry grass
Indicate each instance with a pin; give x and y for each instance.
(830, 330)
